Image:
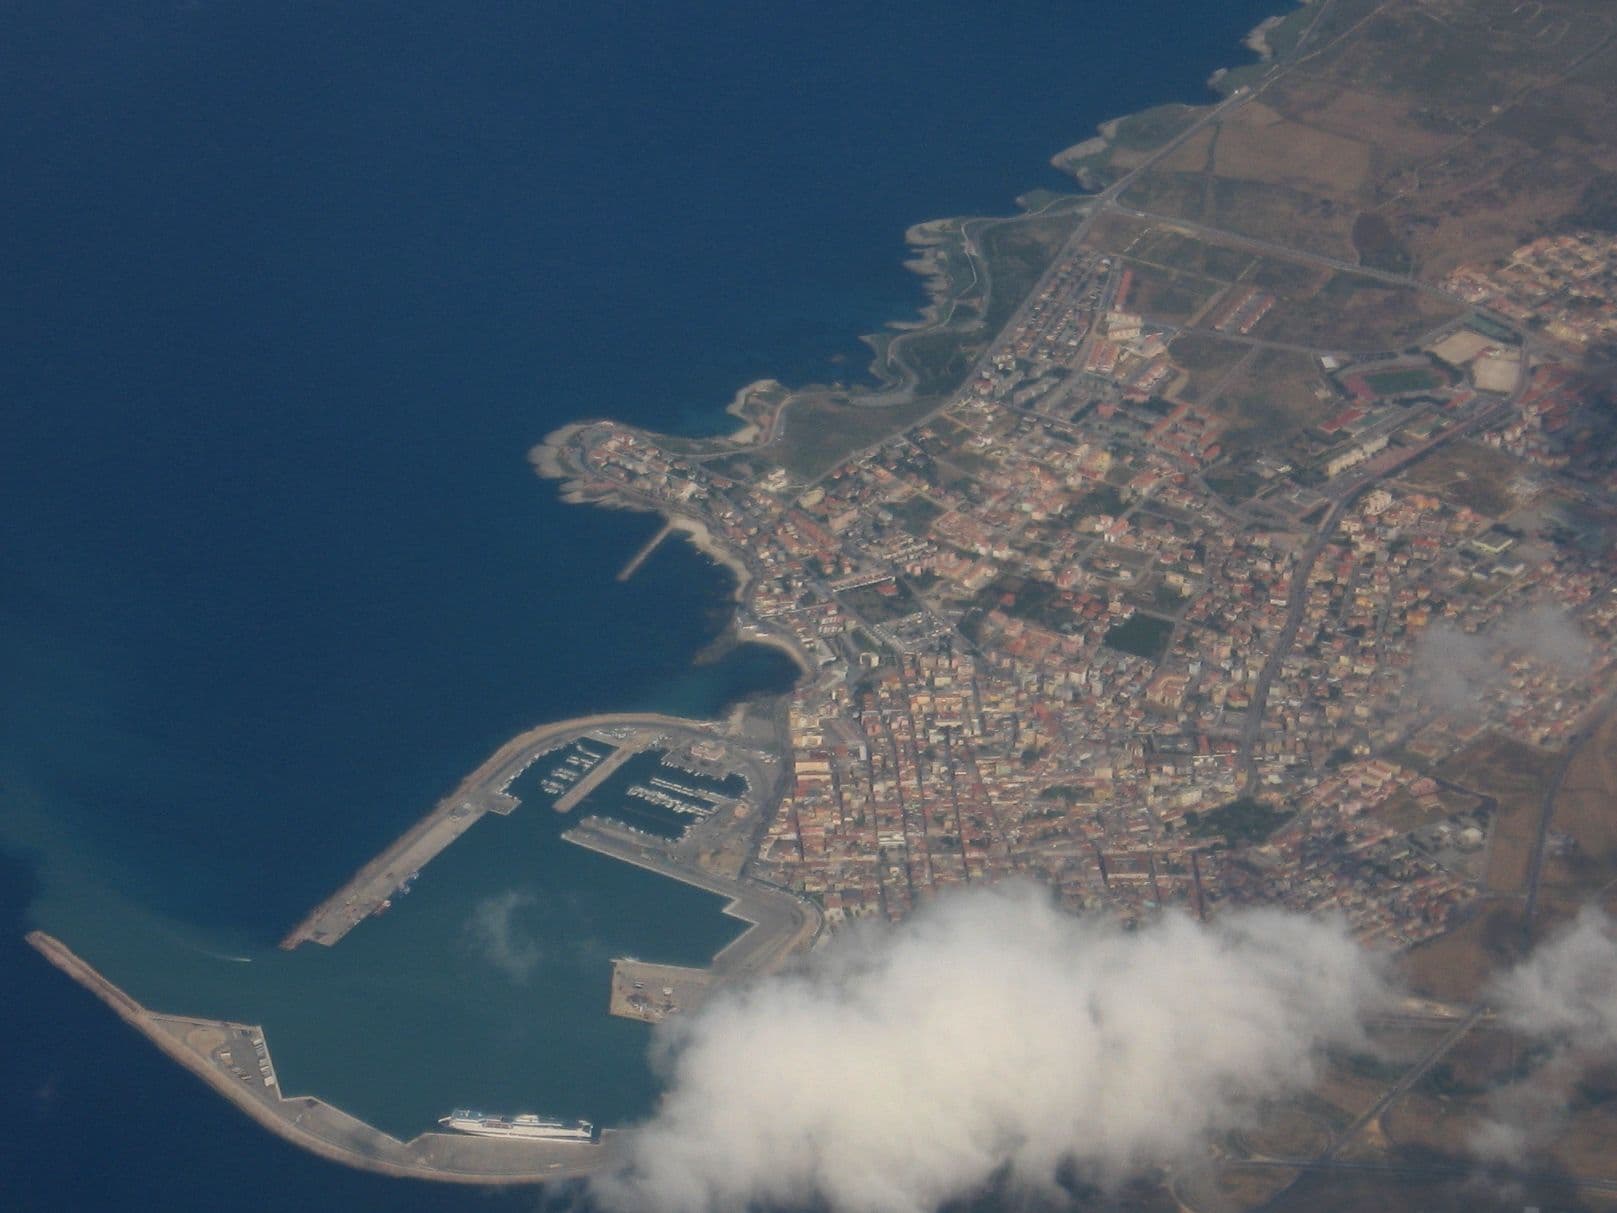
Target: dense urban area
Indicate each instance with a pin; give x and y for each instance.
(1080, 624)
(1241, 532)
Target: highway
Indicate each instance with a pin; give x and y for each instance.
(1535, 869)
(1404, 1084)
(1420, 1171)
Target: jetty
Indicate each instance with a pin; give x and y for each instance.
(602, 771)
(780, 923)
(234, 1059)
(481, 792)
(640, 557)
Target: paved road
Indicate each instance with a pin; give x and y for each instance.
(1290, 253)
(1546, 813)
(1418, 1171)
(1404, 1084)
(1344, 495)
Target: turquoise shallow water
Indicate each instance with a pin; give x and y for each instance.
(292, 289)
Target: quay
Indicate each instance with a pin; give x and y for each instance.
(640, 557)
(651, 993)
(483, 791)
(233, 1059)
(781, 922)
(602, 770)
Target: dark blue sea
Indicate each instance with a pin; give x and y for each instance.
(290, 290)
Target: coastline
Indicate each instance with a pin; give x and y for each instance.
(477, 793)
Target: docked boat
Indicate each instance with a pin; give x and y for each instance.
(540, 1128)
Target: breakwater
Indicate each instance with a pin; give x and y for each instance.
(234, 1060)
(483, 791)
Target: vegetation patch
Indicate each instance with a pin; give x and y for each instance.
(1169, 296)
(1288, 279)
(1167, 247)
(1272, 401)
(1468, 474)
(916, 515)
(1104, 499)
(1240, 823)
(1409, 379)
(1358, 313)
(1018, 252)
(1378, 245)
(880, 603)
(1235, 485)
(1140, 634)
(823, 428)
(1207, 359)
(1152, 127)
(1597, 208)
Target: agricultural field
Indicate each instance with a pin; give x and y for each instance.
(1207, 359)
(1358, 314)
(1468, 474)
(1273, 399)
(1166, 297)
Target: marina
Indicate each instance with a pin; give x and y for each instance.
(234, 1057)
(664, 793)
(370, 890)
(591, 774)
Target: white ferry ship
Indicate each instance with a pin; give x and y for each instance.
(541, 1128)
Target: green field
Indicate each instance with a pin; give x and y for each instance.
(1395, 383)
(824, 428)
(1153, 127)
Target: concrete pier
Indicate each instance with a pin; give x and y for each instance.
(602, 771)
(652, 992)
(782, 923)
(234, 1059)
(640, 557)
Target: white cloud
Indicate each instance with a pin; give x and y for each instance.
(498, 937)
(1566, 992)
(991, 1036)
(1456, 669)
(1563, 998)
